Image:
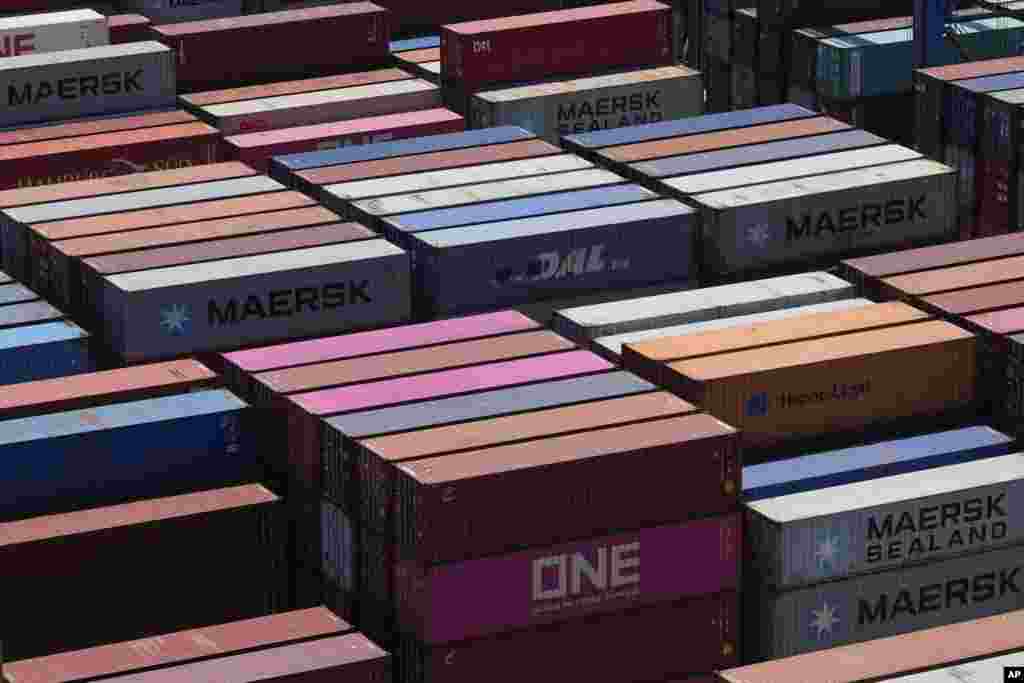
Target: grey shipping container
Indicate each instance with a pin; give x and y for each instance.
(867, 526)
(252, 300)
(755, 154)
(586, 323)
(827, 217)
(832, 162)
(322, 106)
(88, 81)
(611, 347)
(884, 604)
(568, 107)
(510, 262)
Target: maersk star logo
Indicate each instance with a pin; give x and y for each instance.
(827, 551)
(759, 234)
(175, 319)
(824, 619)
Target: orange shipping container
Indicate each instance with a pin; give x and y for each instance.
(815, 387)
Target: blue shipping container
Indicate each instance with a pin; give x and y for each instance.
(691, 126)
(960, 107)
(46, 351)
(398, 227)
(530, 259)
(686, 164)
(15, 294)
(415, 43)
(849, 465)
(281, 166)
(114, 453)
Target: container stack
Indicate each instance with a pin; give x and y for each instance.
(781, 190)
(419, 56)
(524, 220)
(295, 643)
(128, 28)
(174, 277)
(259, 122)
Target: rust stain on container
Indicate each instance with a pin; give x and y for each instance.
(255, 92)
(691, 144)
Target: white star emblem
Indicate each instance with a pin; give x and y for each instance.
(174, 318)
(759, 234)
(827, 551)
(824, 619)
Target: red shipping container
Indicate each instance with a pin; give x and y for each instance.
(565, 487)
(256, 149)
(128, 28)
(589, 39)
(646, 644)
(269, 46)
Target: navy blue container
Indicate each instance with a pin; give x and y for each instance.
(45, 351)
(415, 43)
(397, 228)
(282, 166)
(686, 164)
(960, 109)
(588, 142)
(848, 465)
(474, 268)
(111, 454)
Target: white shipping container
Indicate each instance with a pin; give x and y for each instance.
(977, 671)
(586, 323)
(51, 32)
(584, 105)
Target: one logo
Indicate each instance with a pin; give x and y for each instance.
(176, 319)
(824, 620)
(759, 234)
(1010, 673)
(827, 550)
(757, 405)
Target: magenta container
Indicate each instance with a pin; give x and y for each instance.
(476, 598)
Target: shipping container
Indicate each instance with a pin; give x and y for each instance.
(90, 390)
(82, 561)
(871, 462)
(44, 351)
(556, 109)
(974, 300)
(587, 144)
(283, 167)
(795, 222)
(890, 523)
(256, 149)
(1002, 197)
(434, 494)
(590, 649)
(173, 649)
(872, 660)
(529, 259)
(197, 440)
(198, 102)
(1009, 667)
(557, 592)
(253, 300)
(375, 459)
(813, 387)
(408, 44)
(321, 106)
(52, 32)
(884, 604)
(128, 28)
(650, 358)
(479, 53)
(611, 346)
(948, 279)
(277, 45)
(28, 312)
(585, 323)
(754, 154)
(169, 11)
(135, 76)
(733, 137)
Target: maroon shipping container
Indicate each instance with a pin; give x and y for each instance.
(350, 658)
(94, 389)
(171, 649)
(128, 28)
(98, 156)
(975, 300)
(639, 646)
(208, 557)
(274, 45)
(584, 40)
(74, 129)
(566, 487)
(196, 101)
(256, 149)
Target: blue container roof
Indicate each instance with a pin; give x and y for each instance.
(415, 43)
(45, 333)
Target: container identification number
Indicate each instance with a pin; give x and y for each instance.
(482, 47)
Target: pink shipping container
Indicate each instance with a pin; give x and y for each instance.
(645, 644)
(256, 149)
(588, 39)
(458, 601)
